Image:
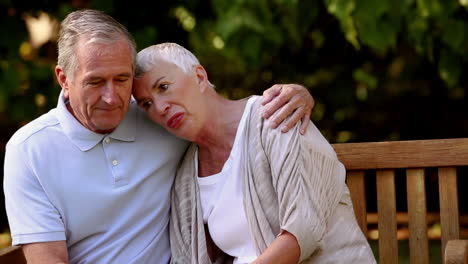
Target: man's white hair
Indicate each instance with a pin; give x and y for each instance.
(148, 58)
(94, 27)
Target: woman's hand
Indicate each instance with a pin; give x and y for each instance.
(284, 250)
(283, 100)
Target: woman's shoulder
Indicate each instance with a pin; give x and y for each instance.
(254, 103)
(255, 118)
(313, 138)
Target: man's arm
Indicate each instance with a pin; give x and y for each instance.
(33, 219)
(283, 100)
(46, 253)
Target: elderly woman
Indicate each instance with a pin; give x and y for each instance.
(245, 192)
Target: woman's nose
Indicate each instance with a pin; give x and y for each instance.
(162, 107)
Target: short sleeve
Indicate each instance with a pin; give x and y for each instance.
(31, 215)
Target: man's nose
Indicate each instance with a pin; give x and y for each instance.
(109, 94)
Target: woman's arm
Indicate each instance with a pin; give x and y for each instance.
(284, 250)
(307, 178)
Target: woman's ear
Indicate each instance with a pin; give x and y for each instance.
(62, 80)
(202, 77)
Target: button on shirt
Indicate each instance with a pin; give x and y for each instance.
(108, 195)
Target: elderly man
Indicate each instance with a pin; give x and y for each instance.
(89, 182)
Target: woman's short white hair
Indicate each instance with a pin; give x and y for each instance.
(148, 58)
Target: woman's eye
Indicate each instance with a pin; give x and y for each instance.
(146, 104)
(164, 86)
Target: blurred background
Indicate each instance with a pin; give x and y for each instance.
(378, 70)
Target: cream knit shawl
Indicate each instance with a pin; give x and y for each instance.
(291, 182)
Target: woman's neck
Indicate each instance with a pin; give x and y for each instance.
(216, 139)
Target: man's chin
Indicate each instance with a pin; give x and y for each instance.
(105, 128)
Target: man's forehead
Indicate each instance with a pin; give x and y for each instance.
(97, 49)
(104, 60)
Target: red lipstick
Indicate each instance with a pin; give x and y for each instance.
(175, 120)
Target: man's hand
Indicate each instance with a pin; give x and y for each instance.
(283, 100)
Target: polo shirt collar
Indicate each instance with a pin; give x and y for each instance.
(86, 139)
(126, 130)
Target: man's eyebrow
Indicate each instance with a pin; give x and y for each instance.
(91, 78)
(97, 77)
(155, 84)
(125, 75)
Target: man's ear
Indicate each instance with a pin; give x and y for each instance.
(202, 77)
(62, 80)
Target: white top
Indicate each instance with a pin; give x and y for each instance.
(222, 203)
(107, 195)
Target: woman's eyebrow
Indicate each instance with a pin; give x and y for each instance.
(155, 84)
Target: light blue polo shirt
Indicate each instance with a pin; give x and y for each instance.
(107, 195)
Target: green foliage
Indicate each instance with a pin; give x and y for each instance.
(343, 10)
(360, 58)
(431, 26)
(254, 30)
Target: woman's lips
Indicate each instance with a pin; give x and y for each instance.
(175, 120)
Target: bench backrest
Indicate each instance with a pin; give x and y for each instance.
(414, 156)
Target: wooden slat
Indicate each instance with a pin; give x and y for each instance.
(402, 218)
(417, 212)
(448, 197)
(12, 255)
(357, 188)
(403, 154)
(456, 252)
(386, 206)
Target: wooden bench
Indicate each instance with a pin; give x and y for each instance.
(12, 255)
(445, 155)
(384, 157)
